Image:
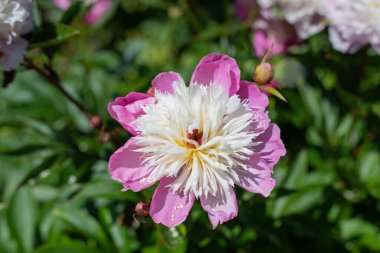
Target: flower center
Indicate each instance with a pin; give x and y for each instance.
(194, 136)
(199, 135)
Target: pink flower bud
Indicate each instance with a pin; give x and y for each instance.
(263, 73)
(150, 92)
(96, 122)
(142, 209)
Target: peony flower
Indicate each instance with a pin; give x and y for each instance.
(15, 18)
(96, 12)
(307, 16)
(11, 55)
(273, 33)
(198, 141)
(355, 25)
(269, 31)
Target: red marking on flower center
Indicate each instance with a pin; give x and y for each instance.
(196, 135)
(150, 92)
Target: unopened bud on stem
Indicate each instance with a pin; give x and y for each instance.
(263, 73)
(142, 209)
(96, 122)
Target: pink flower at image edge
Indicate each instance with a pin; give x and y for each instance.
(96, 12)
(247, 152)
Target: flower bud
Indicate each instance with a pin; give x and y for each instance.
(96, 122)
(142, 209)
(263, 73)
(150, 92)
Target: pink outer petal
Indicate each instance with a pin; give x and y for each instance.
(97, 11)
(168, 207)
(163, 82)
(271, 147)
(260, 121)
(126, 166)
(127, 109)
(251, 92)
(258, 179)
(63, 4)
(221, 208)
(219, 69)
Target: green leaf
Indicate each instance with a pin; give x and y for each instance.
(82, 222)
(22, 216)
(362, 232)
(174, 237)
(369, 169)
(297, 172)
(124, 239)
(65, 247)
(7, 243)
(298, 202)
(71, 13)
(106, 188)
(274, 92)
(51, 35)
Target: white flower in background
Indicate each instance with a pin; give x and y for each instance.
(354, 25)
(307, 16)
(12, 54)
(15, 18)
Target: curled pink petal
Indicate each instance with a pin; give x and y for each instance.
(168, 207)
(222, 208)
(218, 69)
(271, 147)
(97, 11)
(251, 92)
(163, 82)
(127, 109)
(258, 178)
(126, 166)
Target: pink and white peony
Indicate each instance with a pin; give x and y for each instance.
(307, 16)
(97, 10)
(354, 25)
(198, 141)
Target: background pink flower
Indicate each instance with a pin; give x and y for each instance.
(198, 141)
(269, 30)
(273, 33)
(96, 12)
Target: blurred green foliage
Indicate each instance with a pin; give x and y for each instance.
(55, 192)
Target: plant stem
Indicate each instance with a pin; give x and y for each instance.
(52, 78)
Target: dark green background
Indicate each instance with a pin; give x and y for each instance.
(55, 192)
